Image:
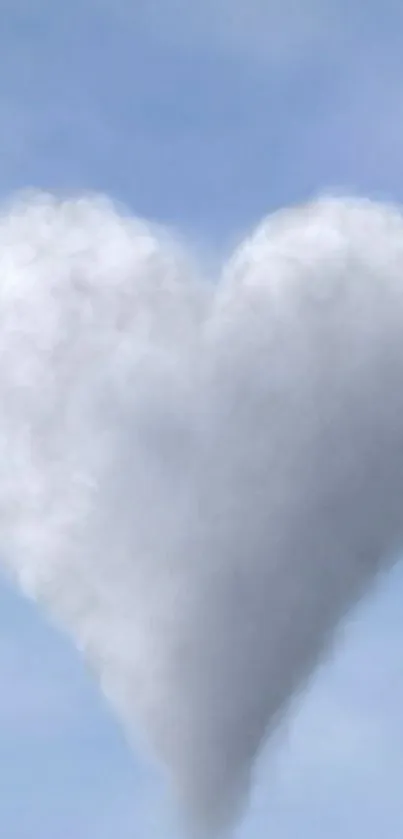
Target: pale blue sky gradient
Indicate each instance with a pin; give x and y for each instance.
(204, 117)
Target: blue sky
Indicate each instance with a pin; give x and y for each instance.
(205, 118)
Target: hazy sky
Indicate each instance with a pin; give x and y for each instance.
(205, 118)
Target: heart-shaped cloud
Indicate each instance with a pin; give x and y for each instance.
(198, 479)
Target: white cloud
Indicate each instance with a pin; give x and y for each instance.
(198, 480)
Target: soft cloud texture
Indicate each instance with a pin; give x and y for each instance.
(199, 480)
(100, 95)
